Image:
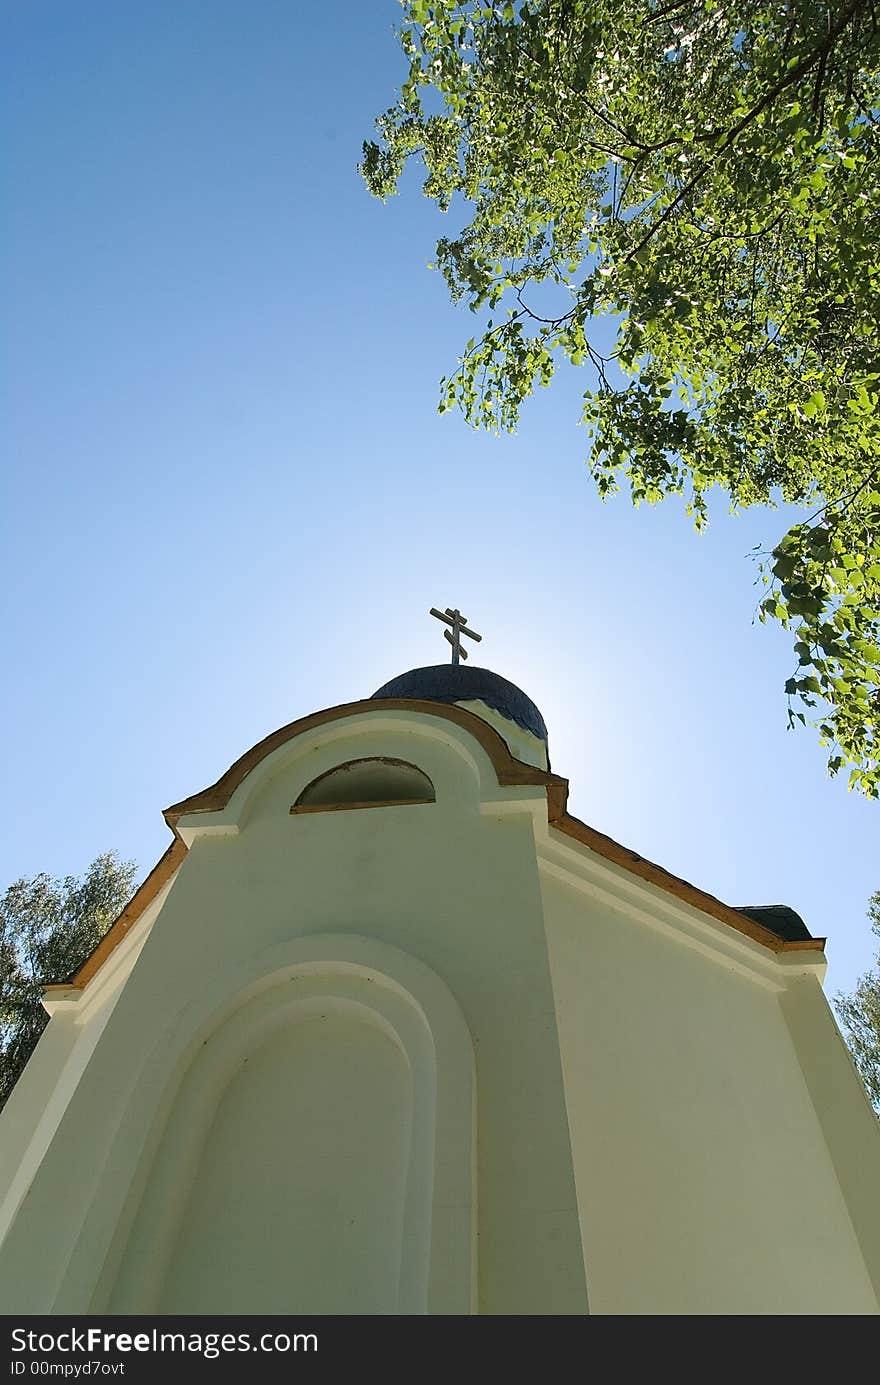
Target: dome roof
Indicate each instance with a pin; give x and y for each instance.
(463, 683)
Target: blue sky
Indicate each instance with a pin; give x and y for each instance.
(228, 498)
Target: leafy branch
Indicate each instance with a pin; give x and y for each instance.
(705, 180)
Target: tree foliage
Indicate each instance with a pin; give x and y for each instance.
(48, 928)
(860, 1016)
(705, 175)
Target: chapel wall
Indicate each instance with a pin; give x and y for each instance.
(704, 1179)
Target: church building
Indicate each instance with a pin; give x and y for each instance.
(388, 1031)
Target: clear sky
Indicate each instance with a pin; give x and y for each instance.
(228, 498)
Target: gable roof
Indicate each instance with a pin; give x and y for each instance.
(772, 925)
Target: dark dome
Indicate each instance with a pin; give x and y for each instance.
(462, 683)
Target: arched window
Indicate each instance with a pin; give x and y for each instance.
(370, 783)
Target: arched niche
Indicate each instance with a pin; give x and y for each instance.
(297, 1199)
(317, 1157)
(371, 781)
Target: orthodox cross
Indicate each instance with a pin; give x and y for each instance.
(459, 627)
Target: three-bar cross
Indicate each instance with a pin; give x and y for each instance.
(459, 628)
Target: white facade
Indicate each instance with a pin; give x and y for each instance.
(433, 1057)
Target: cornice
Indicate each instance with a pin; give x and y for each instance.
(510, 772)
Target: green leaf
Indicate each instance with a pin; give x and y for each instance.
(706, 220)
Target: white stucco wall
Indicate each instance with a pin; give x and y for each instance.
(704, 1180)
(454, 1062)
(522, 744)
(309, 1146)
(39, 1100)
(451, 887)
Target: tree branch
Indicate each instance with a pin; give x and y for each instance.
(819, 54)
